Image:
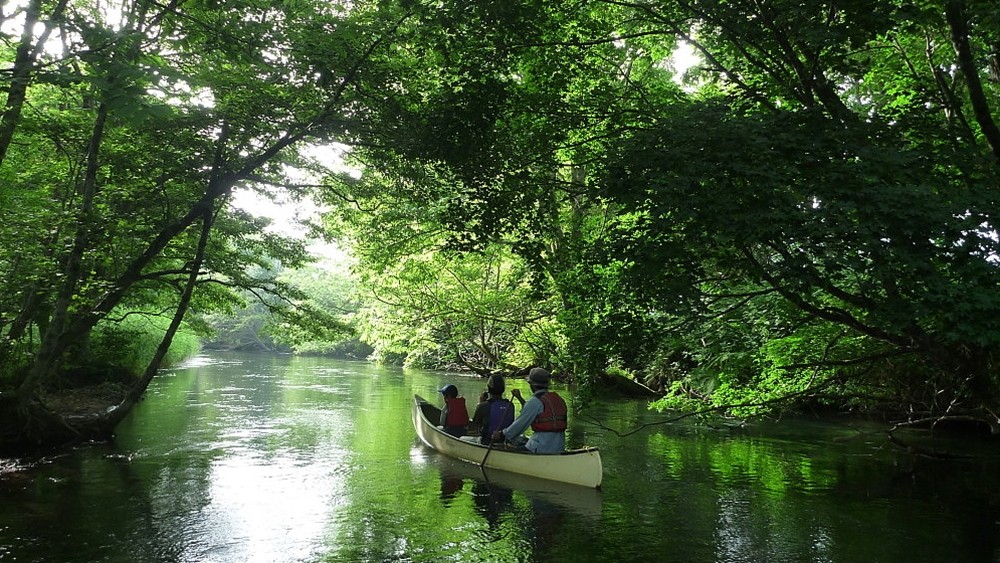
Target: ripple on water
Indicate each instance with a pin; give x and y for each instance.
(205, 361)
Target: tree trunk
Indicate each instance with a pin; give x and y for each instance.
(24, 62)
(56, 338)
(955, 12)
(119, 412)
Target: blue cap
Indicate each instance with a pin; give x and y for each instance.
(449, 390)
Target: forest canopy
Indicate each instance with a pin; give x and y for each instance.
(806, 215)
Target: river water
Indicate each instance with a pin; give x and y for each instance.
(251, 458)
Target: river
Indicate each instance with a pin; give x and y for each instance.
(254, 458)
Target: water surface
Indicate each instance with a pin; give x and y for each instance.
(252, 458)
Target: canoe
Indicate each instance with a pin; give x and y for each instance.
(578, 467)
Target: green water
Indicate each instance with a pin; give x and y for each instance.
(240, 458)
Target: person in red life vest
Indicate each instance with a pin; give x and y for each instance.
(493, 411)
(545, 412)
(454, 415)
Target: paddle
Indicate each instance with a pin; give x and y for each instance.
(485, 457)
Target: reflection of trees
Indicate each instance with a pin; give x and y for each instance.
(545, 527)
(98, 505)
(373, 520)
(776, 470)
(747, 531)
(523, 520)
(325, 453)
(749, 507)
(535, 519)
(233, 436)
(751, 498)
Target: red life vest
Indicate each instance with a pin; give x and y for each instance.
(457, 414)
(553, 416)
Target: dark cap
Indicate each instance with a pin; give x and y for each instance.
(449, 390)
(539, 377)
(495, 384)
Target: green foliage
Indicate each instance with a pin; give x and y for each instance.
(815, 210)
(841, 243)
(116, 171)
(242, 328)
(817, 201)
(306, 310)
(131, 342)
(445, 310)
(541, 342)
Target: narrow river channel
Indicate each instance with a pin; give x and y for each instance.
(254, 458)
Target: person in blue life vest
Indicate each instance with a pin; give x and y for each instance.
(545, 412)
(454, 415)
(493, 411)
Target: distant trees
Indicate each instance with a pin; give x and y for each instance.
(325, 295)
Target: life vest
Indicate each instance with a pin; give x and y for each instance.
(553, 416)
(500, 416)
(457, 414)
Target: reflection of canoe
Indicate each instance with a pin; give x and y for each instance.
(578, 467)
(582, 501)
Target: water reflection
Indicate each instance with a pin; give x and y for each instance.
(514, 517)
(281, 459)
(492, 501)
(456, 476)
(255, 459)
(450, 485)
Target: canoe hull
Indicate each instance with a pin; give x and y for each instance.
(578, 467)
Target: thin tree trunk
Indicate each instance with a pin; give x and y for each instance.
(955, 12)
(218, 185)
(24, 63)
(137, 390)
(57, 338)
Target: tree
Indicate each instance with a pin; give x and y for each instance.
(122, 156)
(487, 138)
(874, 213)
(831, 168)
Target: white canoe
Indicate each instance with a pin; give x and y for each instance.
(578, 467)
